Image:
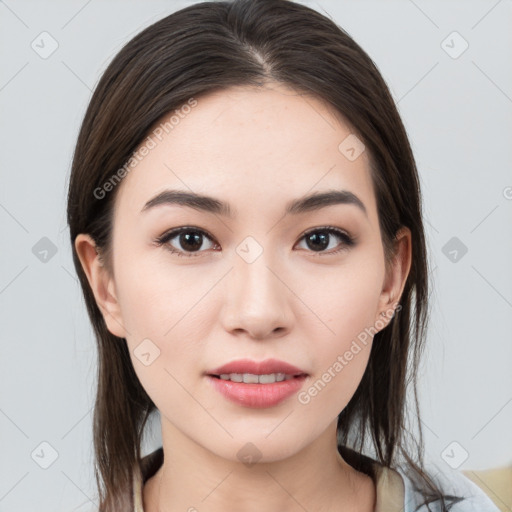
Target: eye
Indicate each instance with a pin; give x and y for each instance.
(322, 239)
(189, 240)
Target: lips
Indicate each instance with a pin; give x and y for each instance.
(257, 384)
(265, 367)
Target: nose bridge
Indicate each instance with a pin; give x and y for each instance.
(257, 300)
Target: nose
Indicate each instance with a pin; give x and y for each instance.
(257, 302)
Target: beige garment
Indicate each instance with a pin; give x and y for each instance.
(496, 483)
(389, 484)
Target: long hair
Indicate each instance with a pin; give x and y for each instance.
(211, 46)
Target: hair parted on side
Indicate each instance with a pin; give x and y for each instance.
(212, 46)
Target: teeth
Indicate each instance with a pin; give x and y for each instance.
(251, 378)
(266, 379)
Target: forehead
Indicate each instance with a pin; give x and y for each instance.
(249, 146)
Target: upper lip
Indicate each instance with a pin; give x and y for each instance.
(257, 367)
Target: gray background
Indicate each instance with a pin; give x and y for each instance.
(458, 113)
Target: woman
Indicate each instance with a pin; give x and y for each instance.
(245, 216)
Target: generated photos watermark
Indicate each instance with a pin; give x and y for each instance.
(343, 360)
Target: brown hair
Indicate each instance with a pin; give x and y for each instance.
(211, 46)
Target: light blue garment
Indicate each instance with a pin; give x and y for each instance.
(451, 482)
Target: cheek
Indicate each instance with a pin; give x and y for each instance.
(342, 357)
(168, 325)
(157, 296)
(346, 301)
(170, 307)
(329, 391)
(344, 297)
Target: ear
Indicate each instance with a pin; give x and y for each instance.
(101, 283)
(396, 277)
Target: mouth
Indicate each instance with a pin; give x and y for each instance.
(257, 384)
(252, 378)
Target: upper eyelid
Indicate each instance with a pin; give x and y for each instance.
(172, 233)
(331, 229)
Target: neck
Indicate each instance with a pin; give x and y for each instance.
(314, 478)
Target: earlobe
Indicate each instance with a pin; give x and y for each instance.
(101, 283)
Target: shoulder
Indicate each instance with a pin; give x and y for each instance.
(396, 488)
(452, 482)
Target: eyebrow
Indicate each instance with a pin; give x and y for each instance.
(208, 204)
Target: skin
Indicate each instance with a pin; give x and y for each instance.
(257, 149)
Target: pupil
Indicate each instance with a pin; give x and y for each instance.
(191, 241)
(319, 242)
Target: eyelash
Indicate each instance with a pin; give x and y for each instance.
(347, 240)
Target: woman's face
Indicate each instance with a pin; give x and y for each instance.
(265, 281)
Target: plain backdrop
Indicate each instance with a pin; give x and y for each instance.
(448, 65)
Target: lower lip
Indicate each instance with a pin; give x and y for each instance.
(257, 395)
